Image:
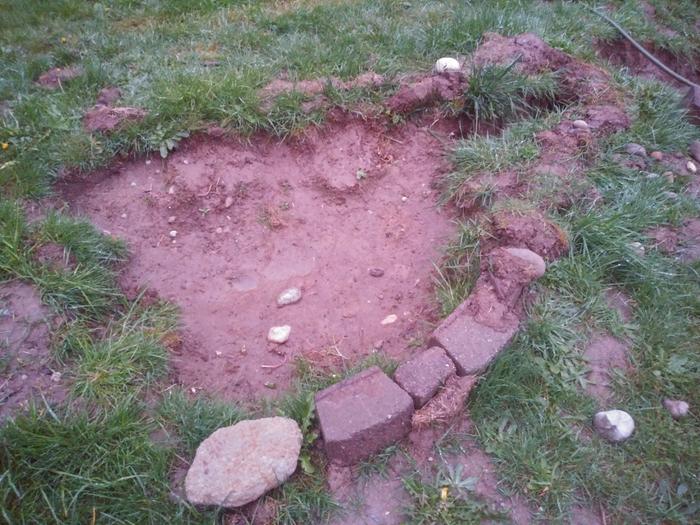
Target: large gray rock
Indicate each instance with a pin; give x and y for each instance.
(240, 463)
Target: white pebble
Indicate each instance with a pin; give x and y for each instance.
(173, 233)
(279, 334)
(404, 198)
(171, 190)
(389, 319)
(580, 124)
(677, 408)
(56, 377)
(446, 64)
(614, 425)
(133, 184)
(691, 166)
(228, 202)
(123, 215)
(289, 296)
(171, 219)
(638, 248)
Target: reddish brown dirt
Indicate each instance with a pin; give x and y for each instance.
(297, 215)
(54, 77)
(106, 118)
(26, 368)
(606, 356)
(622, 53)
(531, 231)
(381, 498)
(682, 243)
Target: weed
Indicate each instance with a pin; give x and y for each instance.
(497, 93)
(377, 464)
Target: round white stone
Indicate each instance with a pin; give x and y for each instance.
(580, 124)
(279, 334)
(289, 296)
(446, 64)
(614, 425)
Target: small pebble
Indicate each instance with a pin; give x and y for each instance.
(677, 408)
(279, 334)
(56, 377)
(270, 385)
(219, 230)
(171, 219)
(389, 319)
(123, 215)
(580, 124)
(657, 155)
(636, 149)
(228, 202)
(614, 425)
(670, 177)
(671, 195)
(289, 296)
(185, 161)
(376, 272)
(148, 162)
(133, 184)
(404, 198)
(171, 190)
(691, 166)
(173, 233)
(638, 248)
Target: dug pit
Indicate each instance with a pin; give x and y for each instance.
(221, 228)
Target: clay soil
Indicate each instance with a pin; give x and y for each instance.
(222, 227)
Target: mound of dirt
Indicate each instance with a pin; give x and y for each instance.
(622, 53)
(54, 77)
(26, 369)
(221, 228)
(106, 118)
(531, 231)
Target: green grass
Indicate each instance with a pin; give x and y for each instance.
(97, 460)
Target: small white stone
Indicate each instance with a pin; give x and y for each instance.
(185, 161)
(171, 219)
(677, 408)
(446, 64)
(580, 124)
(173, 233)
(228, 202)
(638, 248)
(219, 230)
(148, 162)
(279, 334)
(614, 425)
(56, 377)
(171, 190)
(404, 198)
(691, 166)
(123, 215)
(133, 184)
(289, 296)
(389, 319)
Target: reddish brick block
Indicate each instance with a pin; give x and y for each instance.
(470, 344)
(424, 374)
(362, 415)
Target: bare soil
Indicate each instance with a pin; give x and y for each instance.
(222, 228)
(27, 371)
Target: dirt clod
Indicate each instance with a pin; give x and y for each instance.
(106, 119)
(54, 77)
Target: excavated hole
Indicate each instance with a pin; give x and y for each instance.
(315, 214)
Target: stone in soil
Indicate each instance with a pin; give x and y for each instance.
(580, 124)
(279, 334)
(614, 425)
(289, 296)
(676, 408)
(240, 463)
(424, 374)
(636, 149)
(362, 415)
(376, 272)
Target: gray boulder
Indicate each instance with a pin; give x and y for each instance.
(240, 463)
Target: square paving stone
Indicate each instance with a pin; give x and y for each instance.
(424, 374)
(362, 415)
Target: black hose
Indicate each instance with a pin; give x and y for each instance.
(646, 53)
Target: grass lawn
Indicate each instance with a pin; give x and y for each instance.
(110, 453)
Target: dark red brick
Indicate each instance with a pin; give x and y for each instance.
(362, 415)
(424, 374)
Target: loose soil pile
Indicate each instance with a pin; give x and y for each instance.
(220, 229)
